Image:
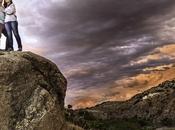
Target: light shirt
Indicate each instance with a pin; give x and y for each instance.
(10, 13)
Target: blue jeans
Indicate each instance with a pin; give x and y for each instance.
(10, 27)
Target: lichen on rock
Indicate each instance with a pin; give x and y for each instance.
(32, 92)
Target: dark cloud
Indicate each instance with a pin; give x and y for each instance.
(99, 38)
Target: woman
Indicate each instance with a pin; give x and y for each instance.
(11, 24)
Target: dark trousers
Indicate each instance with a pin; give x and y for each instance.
(4, 32)
(12, 27)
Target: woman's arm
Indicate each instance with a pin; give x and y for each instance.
(3, 2)
(10, 9)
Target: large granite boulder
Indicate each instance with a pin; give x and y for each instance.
(32, 92)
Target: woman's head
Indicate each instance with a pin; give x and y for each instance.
(8, 1)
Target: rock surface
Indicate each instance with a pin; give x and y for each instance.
(32, 92)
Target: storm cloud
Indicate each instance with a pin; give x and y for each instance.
(95, 42)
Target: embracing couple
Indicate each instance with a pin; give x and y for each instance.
(9, 24)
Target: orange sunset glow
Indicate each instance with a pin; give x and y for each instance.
(124, 89)
(108, 50)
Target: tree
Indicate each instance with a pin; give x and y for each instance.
(69, 106)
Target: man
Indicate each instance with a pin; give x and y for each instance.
(2, 17)
(2, 27)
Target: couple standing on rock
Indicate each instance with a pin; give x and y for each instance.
(9, 24)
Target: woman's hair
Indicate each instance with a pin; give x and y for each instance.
(5, 3)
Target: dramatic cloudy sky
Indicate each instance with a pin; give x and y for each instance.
(107, 49)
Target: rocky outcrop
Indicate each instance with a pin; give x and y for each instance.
(32, 92)
(156, 105)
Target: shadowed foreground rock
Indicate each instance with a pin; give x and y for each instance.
(32, 92)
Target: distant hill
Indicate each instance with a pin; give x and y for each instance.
(149, 110)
